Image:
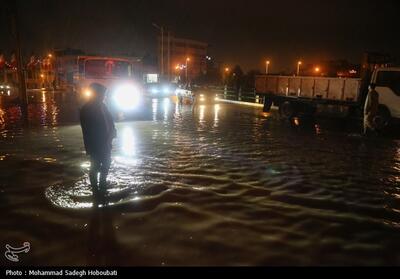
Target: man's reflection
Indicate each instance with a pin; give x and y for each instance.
(103, 248)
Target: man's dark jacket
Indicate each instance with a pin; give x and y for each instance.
(98, 128)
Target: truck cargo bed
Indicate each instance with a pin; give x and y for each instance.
(319, 89)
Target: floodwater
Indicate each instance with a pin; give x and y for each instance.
(220, 185)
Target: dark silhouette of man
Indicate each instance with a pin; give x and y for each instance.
(98, 133)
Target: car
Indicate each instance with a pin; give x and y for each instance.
(205, 96)
(160, 90)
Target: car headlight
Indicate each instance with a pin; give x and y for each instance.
(154, 90)
(88, 93)
(166, 90)
(126, 97)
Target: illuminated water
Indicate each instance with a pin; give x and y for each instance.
(221, 185)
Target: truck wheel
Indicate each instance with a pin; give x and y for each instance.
(382, 119)
(287, 110)
(267, 105)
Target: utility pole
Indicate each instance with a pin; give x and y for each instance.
(162, 52)
(162, 49)
(169, 56)
(298, 67)
(20, 65)
(186, 69)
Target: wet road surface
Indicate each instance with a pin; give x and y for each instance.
(218, 185)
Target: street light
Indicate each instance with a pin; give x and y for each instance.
(225, 75)
(186, 68)
(267, 66)
(317, 70)
(50, 55)
(298, 67)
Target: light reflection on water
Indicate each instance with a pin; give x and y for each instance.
(128, 142)
(122, 189)
(166, 108)
(217, 108)
(202, 109)
(154, 109)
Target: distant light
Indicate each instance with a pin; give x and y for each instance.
(317, 69)
(88, 93)
(227, 69)
(154, 90)
(187, 59)
(353, 72)
(268, 62)
(300, 63)
(50, 55)
(152, 78)
(42, 75)
(166, 89)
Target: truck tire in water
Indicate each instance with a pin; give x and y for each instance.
(382, 119)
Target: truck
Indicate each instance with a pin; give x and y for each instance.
(297, 95)
(118, 75)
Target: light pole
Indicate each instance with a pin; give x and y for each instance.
(169, 56)
(162, 47)
(267, 66)
(186, 68)
(15, 28)
(178, 73)
(226, 73)
(298, 67)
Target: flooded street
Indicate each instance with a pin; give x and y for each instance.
(219, 185)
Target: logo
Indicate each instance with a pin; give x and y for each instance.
(12, 253)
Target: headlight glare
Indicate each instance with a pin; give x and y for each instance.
(126, 97)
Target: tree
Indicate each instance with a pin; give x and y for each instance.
(237, 78)
(250, 79)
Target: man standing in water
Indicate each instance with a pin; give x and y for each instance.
(98, 133)
(371, 109)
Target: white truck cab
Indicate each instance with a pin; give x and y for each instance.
(125, 93)
(387, 82)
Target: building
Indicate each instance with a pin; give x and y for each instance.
(176, 56)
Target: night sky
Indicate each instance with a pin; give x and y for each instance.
(239, 32)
